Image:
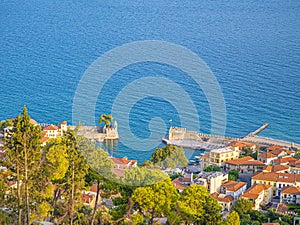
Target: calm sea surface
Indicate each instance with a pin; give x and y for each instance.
(252, 47)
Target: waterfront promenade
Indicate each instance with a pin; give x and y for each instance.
(270, 141)
(194, 144)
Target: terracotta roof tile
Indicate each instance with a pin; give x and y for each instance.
(44, 139)
(249, 195)
(274, 147)
(233, 185)
(245, 161)
(51, 127)
(267, 168)
(277, 177)
(177, 184)
(276, 168)
(282, 208)
(270, 224)
(222, 197)
(93, 188)
(280, 150)
(205, 156)
(294, 163)
(241, 144)
(291, 190)
(87, 198)
(267, 155)
(123, 161)
(254, 191)
(284, 160)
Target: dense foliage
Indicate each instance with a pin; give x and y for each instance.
(212, 168)
(46, 183)
(169, 156)
(233, 175)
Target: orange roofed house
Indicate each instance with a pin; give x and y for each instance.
(259, 194)
(53, 131)
(266, 158)
(245, 165)
(277, 169)
(277, 180)
(226, 201)
(122, 164)
(290, 195)
(284, 161)
(233, 188)
(242, 145)
(295, 166)
(180, 183)
(212, 181)
(220, 156)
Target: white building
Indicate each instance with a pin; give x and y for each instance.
(212, 181)
(233, 188)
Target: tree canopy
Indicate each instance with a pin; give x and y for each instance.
(242, 206)
(198, 207)
(169, 156)
(233, 219)
(106, 118)
(233, 175)
(156, 200)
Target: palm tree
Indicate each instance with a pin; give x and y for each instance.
(106, 118)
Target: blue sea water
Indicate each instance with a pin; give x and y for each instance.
(252, 47)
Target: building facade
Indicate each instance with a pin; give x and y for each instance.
(220, 156)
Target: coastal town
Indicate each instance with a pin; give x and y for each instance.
(267, 176)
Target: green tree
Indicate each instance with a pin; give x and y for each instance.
(198, 207)
(233, 219)
(212, 168)
(155, 200)
(23, 160)
(55, 167)
(76, 172)
(297, 154)
(106, 118)
(137, 219)
(5, 218)
(242, 206)
(103, 217)
(169, 156)
(259, 216)
(142, 176)
(233, 175)
(100, 168)
(5, 123)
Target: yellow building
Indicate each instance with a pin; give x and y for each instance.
(220, 156)
(259, 194)
(277, 180)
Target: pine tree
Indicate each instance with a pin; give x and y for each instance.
(23, 159)
(100, 167)
(233, 219)
(76, 172)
